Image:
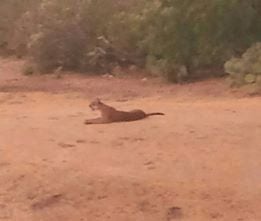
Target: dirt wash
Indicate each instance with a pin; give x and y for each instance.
(200, 162)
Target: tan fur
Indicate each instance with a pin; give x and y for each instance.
(110, 114)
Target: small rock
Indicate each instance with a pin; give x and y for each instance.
(108, 76)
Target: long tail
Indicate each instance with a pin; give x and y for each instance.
(155, 113)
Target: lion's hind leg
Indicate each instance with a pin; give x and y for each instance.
(96, 121)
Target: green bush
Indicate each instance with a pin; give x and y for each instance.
(174, 39)
(89, 36)
(57, 47)
(247, 69)
(200, 34)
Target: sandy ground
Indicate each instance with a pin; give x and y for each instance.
(199, 162)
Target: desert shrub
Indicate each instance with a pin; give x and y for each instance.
(247, 68)
(173, 39)
(54, 37)
(13, 25)
(57, 47)
(116, 33)
(200, 34)
(87, 36)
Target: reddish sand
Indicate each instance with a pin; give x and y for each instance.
(199, 162)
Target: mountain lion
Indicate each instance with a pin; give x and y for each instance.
(110, 114)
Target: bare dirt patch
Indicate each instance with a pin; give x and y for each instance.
(200, 162)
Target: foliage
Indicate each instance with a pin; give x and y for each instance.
(247, 69)
(201, 33)
(82, 35)
(173, 38)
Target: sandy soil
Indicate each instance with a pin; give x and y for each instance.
(199, 162)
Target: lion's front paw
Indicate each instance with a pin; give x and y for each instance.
(87, 122)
